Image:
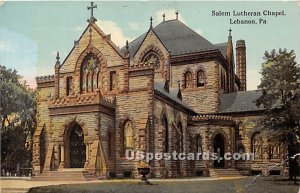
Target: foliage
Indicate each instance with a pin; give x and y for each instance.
(18, 107)
(281, 95)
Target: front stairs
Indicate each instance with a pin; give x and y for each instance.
(224, 172)
(66, 174)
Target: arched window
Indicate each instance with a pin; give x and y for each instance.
(153, 59)
(274, 150)
(256, 145)
(128, 135)
(188, 80)
(180, 137)
(200, 78)
(89, 73)
(166, 133)
(198, 144)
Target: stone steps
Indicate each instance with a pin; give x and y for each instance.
(229, 172)
(65, 175)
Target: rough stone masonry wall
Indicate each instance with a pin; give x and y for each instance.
(113, 60)
(136, 106)
(107, 127)
(203, 99)
(152, 43)
(89, 123)
(43, 119)
(247, 128)
(167, 168)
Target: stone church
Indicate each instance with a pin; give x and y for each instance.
(168, 90)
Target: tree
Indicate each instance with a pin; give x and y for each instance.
(17, 115)
(280, 86)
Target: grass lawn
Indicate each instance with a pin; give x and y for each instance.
(260, 185)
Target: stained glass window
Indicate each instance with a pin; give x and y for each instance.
(200, 78)
(128, 135)
(152, 59)
(90, 70)
(188, 80)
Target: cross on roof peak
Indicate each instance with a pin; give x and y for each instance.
(177, 14)
(92, 7)
(151, 19)
(164, 17)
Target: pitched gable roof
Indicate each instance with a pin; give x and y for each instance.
(176, 37)
(222, 47)
(242, 101)
(171, 94)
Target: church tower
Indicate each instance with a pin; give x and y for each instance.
(230, 59)
(241, 63)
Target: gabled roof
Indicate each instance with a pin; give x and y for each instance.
(242, 101)
(222, 47)
(172, 94)
(176, 37)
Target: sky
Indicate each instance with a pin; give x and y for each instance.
(32, 32)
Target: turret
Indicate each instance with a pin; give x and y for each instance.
(230, 59)
(56, 67)
(241, 63)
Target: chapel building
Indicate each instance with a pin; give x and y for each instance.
(168, 90)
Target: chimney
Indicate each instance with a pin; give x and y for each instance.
(241, 63)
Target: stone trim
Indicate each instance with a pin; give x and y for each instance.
(81, 109)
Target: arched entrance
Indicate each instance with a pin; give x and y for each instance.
(219, 150)
(74, 147)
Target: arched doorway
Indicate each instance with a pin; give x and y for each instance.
(219, 150)
(74, 146)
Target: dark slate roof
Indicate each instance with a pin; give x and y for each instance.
(242, 101)
(172, 94)
(222, 47)
(176, 37)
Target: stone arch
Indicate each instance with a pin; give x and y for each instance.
(224, 135)
(102, 75)
(149, 49)
(122, 123)
(162, 113)
(257, 145)
(71, 120)
(198, 143)
(219, 147)
(182, 129)
(186, 79)
(200, 71)
(154, 49)
(74, 145)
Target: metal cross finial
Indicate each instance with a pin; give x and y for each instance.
(127, 44)
(127, 48)
(151, 19)
(92, 7)
(177, 14)
(164, 17)
(57, 58)
(230, 31)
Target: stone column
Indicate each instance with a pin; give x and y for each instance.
(87, 155)
(62, 156)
